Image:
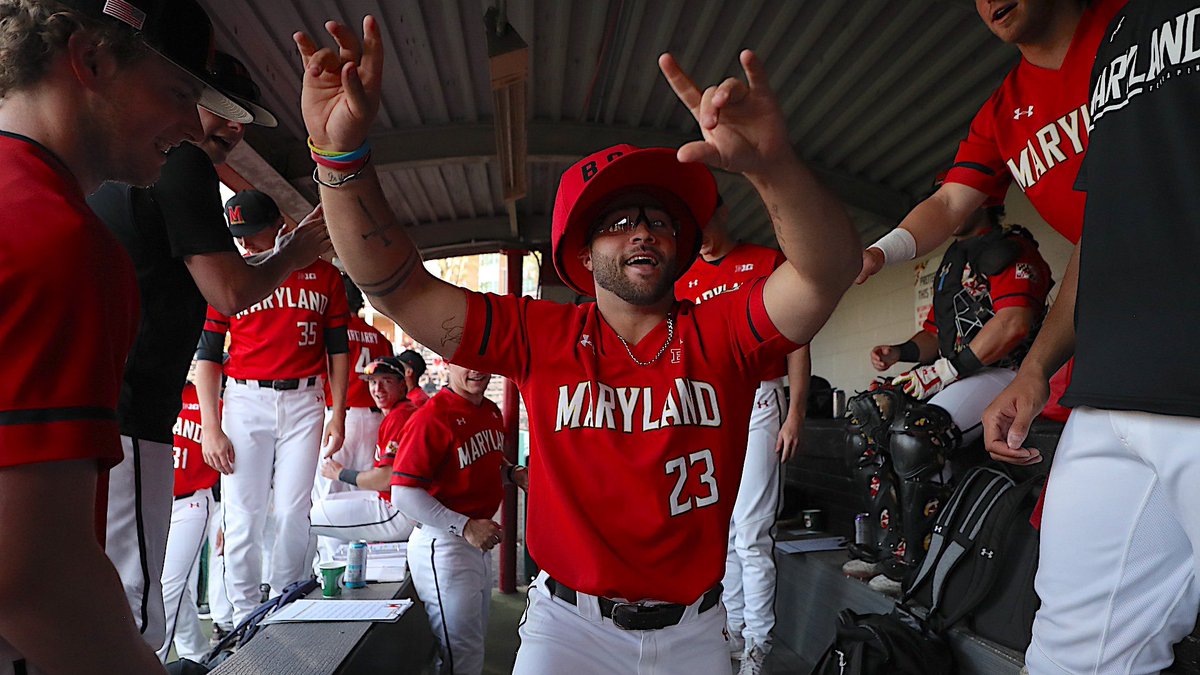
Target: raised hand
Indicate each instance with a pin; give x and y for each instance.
(341, 87)
(743, 126)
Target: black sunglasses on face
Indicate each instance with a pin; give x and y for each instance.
(625, 220)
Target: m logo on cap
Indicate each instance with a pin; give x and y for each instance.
(235, 215)
(590, 169)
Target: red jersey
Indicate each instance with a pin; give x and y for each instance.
(283, 336)
(454, 449)
(667, 440)
(389, 438)
(191, 473)
(1035, 128)
(68, 326)
(366, 344)
(417, 396)
(746, 262)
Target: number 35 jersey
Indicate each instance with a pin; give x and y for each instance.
(284, 335)
(633, 469)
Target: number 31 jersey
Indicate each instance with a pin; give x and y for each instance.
(283, 335)
(633, 469)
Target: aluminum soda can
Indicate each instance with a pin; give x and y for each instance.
(356, 565)
(862, 529)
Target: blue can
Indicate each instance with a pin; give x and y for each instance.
(356, 565)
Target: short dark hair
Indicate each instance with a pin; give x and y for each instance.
(34, 32)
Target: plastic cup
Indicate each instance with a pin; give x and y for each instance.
(331, 577)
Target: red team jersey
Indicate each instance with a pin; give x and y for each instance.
(366, 345)
(417, 397)
(67, 327)
(1034, 129)
(454, 449)
(668, 440)
(389, 438)
(746, 262)
(191, 473)
(283, 336)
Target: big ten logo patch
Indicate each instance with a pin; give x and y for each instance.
(591, 168)
(745, 267)
(308, 276)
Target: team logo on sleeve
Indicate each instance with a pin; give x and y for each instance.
(1026, 271)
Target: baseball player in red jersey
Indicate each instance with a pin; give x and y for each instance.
(269, 437)
(363, 415)
(190, 518)
(635, 390)
(448, 477)
(724, 266)
(87, 94)
(414, 368)
(361, 513)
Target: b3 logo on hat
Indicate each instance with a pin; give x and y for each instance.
(590, 169)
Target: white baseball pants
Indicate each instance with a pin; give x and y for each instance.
(361, 514)
(454, 581)
(966, 399)
(218, 600)
(190, 519)
(558, 637)
(1120, 531)
(749, 582)
(276, 437)
(139, 515)
(358, 454)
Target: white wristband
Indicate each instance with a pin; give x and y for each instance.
(897, 246)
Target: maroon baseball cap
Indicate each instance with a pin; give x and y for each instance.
(180, 32)
(687, 190)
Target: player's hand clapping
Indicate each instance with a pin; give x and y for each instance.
(482, 533)
(341, 87)
(218, 451)
(743, 126)
(884, 357)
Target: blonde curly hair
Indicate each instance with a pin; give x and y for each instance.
(33, 32)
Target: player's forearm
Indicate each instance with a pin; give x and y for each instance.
(812, 227)
(1055, 342)
(1001, 334)
(936, 218)
(422, 507)
(61, 603)
(378, 478)
(799, 369)
(927, 346)
(208, 393)
(257, 278)
(385, 263)
(339, 376)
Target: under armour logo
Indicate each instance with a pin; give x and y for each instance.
(1018, 113)
(693, 283)
(1117, 29)
(586, 340)
(460, 421)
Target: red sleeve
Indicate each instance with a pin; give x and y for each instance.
(421, 450)
(496, 336)
(216, 322)
(1025, 283)
(930, 324)
(389, 436)
(979, 163)
(756, 342)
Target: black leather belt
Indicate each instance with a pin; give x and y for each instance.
(282, 385)
(178, 497)
(348, 408)
(635, 616)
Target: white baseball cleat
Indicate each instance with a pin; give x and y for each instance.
(886, 586)
(752, 660)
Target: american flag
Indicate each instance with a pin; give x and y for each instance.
(126, 12)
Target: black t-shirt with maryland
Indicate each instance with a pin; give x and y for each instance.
(180, 216)
(1139, 275)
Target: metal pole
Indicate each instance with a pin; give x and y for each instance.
(512, 414)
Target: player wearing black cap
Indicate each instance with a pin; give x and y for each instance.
(184, 258)
(414, 368)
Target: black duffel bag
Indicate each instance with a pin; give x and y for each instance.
(884, 644)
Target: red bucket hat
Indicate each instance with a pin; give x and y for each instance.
(688, 190)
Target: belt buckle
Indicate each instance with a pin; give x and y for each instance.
(624, 615)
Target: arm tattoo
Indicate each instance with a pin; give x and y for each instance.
(777, 223)
(379, 230)
(454, 332)
(398, 277)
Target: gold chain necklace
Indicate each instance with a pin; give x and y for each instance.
(661, 351)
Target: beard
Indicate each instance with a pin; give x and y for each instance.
(609, 274)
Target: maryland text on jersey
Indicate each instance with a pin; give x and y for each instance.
(1173, 49)
(718, 290)
(1056, 143)
(286, 296)
(594, 405)
(488, 440)
(187, 429)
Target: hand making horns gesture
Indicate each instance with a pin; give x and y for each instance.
(743, 126)
(340, 95)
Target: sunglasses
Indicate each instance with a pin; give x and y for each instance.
(625, 220)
